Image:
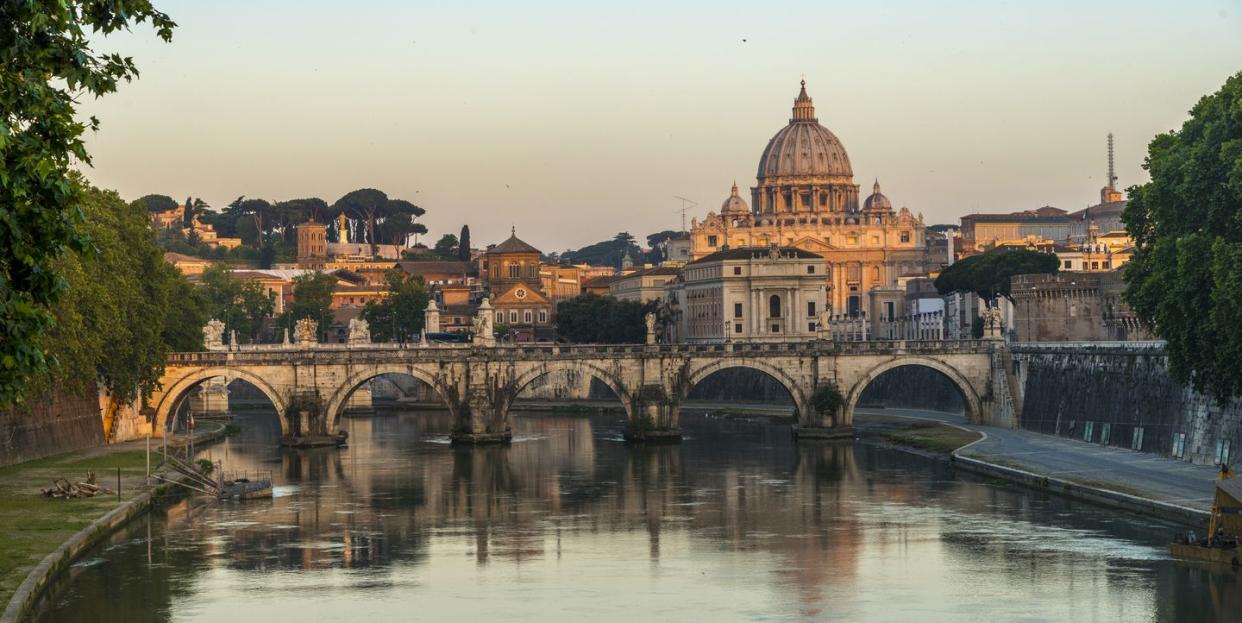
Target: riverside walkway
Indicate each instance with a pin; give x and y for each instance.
(1103, 467)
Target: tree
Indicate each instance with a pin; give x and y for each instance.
(242, 306)
(463, 245)
(156, 203)
(602, 320)
(446, 247)
(399, 315)
(113, 322)
(606, 253)
(187, 313)
(49, 66)
(1185, 279)
(312, 298)
(989, 274)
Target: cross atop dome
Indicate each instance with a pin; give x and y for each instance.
(803, 109)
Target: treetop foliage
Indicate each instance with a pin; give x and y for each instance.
(49, 66)
(594, 319)
(1185, 279)
(989, 274)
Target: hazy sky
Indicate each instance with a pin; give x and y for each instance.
(576, 120)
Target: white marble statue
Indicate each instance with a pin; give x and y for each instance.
(213, 335)
(359, 331)
(306, 331)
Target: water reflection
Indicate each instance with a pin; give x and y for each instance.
(737, 523)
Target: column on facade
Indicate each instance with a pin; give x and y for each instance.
(795, 311)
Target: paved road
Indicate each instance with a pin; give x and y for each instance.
(1137, 473)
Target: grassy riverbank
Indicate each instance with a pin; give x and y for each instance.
(931, 437)
(33, 526)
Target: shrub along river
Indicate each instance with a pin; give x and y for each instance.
(570, 523)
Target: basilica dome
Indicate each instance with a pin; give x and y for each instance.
(735, 204)
(804, 149)
(877, 200)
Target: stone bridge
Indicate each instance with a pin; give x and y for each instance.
(310, 385)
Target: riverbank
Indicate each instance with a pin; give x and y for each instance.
(39, 535)
(1133, 481)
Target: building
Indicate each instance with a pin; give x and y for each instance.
(439, 272)
(174, 219)
(560, 282)
(312, 244)
(599, 286)
(1073, 307)
(644, 285)
(805, 197)
(981, 232)
(748, 294)
(187, 265)
(511, 273)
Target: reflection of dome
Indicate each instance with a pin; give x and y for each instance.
(804, 148)
(877, 200)
(734, 204)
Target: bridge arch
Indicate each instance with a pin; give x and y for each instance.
(531, 373)
(970, 398)
(796, 391)
(335, 404)
(174, 394)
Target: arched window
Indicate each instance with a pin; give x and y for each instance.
(774, 306)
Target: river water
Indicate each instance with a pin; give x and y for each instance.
(737, 523)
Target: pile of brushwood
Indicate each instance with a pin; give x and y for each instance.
(62, 489)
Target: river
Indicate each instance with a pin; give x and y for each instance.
(737, 523)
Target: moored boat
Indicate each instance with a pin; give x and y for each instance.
(1220, 545)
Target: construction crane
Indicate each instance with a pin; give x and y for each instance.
(686, 204)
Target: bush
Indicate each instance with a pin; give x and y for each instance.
(827, 400)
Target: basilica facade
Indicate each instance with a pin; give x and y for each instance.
(805, 197)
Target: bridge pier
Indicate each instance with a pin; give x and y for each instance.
(654, 414)
(483, 418)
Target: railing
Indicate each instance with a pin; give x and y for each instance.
(439, 352)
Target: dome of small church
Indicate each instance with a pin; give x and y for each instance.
(734, 204)
(804, 148)
(877, 200)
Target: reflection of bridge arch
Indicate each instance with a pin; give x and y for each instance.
(969, 397)
(175, 394)
(529, 376)
(791, 385)
(335, 404)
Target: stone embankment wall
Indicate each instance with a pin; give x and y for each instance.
(1121, 394)
(48, 425)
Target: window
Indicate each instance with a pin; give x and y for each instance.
(774, 306)
(513, 271)
(1069, 264)
(875, 240)
(543, 316)
(875, 274)
(737, 327)
(776, 328)
(1104, 431)
(1136, 442)
(711, 241)
(905, 236)
(888, 310)
(1095, 265)
(1222, 451)
(528, 317)
(810, 308)
(513, 316)
(737, 270)
(851, 240)
(1179, 445)
(1088, 431)
(737, 310)
(810, 327)
(810, 269)
(1107, 264)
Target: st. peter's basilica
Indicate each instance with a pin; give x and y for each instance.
(805, 197)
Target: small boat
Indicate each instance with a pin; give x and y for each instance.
(1220, 544)
(245, 489)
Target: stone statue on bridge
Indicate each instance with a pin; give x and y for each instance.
(991, 323)
(306, 332)
(484, 324)
(213, 335)
(650, 319)
(359, 332)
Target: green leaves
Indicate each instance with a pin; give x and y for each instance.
(49, 66)
(399, 315)
(602, 320)
(1185, 279)
(989, 274)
